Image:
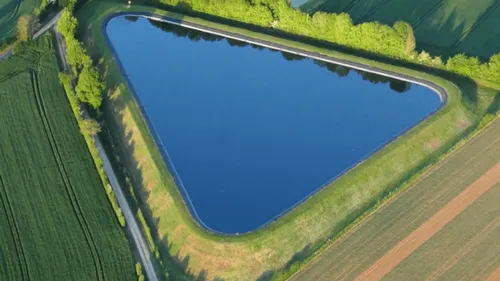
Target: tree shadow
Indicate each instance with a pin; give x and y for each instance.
(123, 147)
(449, 29)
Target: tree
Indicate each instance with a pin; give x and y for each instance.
(411, 42)
(76, 54)
(90, 127)
(494, 68)
(468, 66)
(70, 4)
(24, 28)
(67, 24)
(90, 87)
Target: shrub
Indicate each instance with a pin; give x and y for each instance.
(24, 28)
(90, 127)
(89, 88)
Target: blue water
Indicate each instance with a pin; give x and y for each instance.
(250, 133)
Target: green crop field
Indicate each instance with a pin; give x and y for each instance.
(443, 27)
(10, 10)
(465, 249)
(56, 221)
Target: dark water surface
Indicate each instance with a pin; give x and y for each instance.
(249, 131)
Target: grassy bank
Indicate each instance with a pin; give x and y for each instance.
(185, 246)
(57, 223)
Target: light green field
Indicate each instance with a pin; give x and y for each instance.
(10, 10)
(465, 249)
(444, 27)
(56, 221)
(186, 247)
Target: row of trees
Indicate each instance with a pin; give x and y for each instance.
(397, 41)
(89, 87)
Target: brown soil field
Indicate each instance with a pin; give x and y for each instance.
(444, 227)
(418, 237)
(494, 276)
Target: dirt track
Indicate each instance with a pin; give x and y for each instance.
(418, 237)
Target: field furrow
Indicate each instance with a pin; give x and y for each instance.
(64, 220)
(366, 244)
(14, 231)
(64, 175)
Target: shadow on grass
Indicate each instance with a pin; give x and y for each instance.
(123, 147)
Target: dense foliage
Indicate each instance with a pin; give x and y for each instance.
(89, 86)
(24, 24)
(397, 41)
(56, 221)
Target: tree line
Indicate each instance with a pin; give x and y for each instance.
(89, 86)
(396, 41)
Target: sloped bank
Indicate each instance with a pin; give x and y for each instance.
(299, 232)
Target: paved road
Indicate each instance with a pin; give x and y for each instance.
(47, 26)
(6, 55)
(133, 226)
(140, 242)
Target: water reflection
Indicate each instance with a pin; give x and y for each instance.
(250, 132)
(341, 71)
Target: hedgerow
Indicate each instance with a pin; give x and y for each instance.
(397, 41)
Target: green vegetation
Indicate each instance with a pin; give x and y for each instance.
(87, 133)
(90, 127)
(276, 251)
(89, 87)
(442, 27)
(24, 28)
(390, 41)
(464, 247)
(10, 11)
(56, 221)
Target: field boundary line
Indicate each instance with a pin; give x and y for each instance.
(432, 226)
(478, 23)
(65, 178)
(14, 230)
(438, 197)
(424, 17)
(374, 9)
(399, 192)
(349, 6)
(464, 250)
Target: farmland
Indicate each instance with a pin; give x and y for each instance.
(443, 27)
(10, 10)
(463, 249)
(57, 223)
(186, 247)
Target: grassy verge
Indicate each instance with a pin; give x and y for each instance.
(186, 247)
